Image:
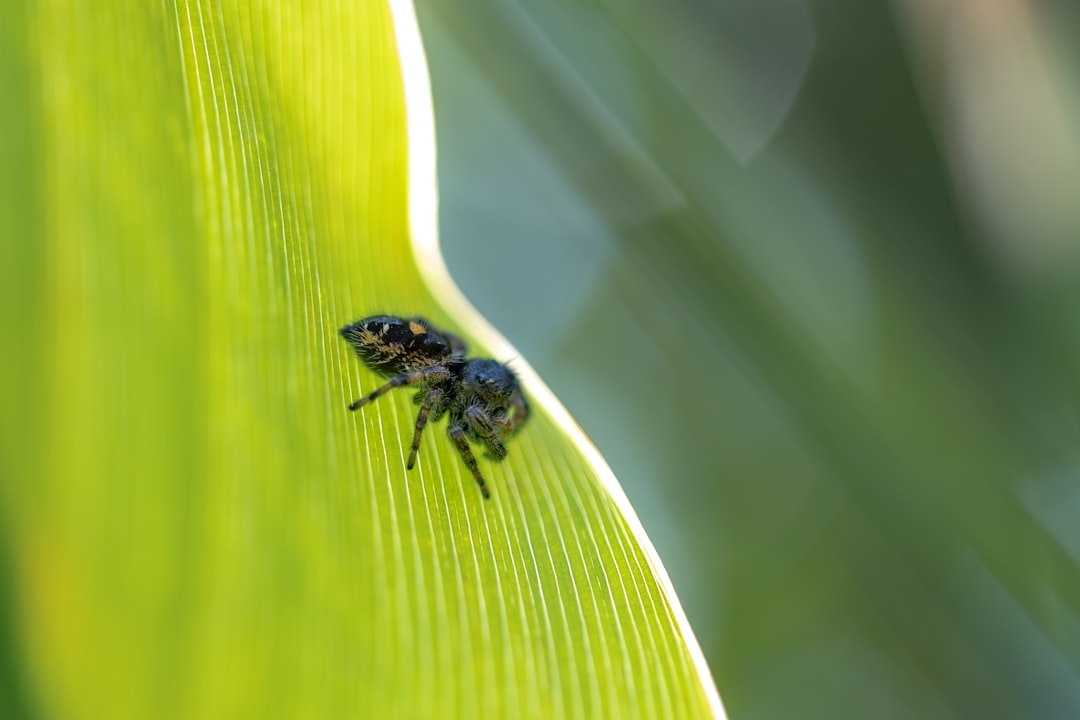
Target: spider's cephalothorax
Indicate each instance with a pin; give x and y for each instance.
(481, 396)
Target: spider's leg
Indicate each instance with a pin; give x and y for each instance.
(495, 447)
(521, 409)
(457, 434)
(504, 426)
(487, 429)
(480, 421)
(435, 373)
(434, 395)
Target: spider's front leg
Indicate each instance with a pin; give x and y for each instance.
(436, 373)
(521, 409)
(456, 431)
(488, 429)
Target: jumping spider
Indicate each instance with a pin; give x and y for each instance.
(482, 396)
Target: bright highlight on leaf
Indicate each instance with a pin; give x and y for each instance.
(205, 192)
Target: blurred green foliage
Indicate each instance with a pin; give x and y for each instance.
(809, 274)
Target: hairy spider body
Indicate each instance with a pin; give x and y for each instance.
(482, 397)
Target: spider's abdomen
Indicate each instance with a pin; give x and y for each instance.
(391, 345)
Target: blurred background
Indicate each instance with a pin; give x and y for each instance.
(808, 273)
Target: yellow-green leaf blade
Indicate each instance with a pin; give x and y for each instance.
(199, 528)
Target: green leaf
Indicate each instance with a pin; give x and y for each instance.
(198, 196)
